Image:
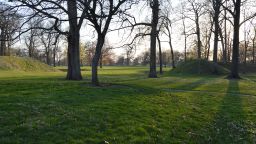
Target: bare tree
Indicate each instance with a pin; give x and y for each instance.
(100, 14)
(183, 18)
(216, 4)
(49, 41)
(236, 5)
(198, 9)
(9, 25)
(168, 26)
(31, 38)
(154, 4)
(62, 13)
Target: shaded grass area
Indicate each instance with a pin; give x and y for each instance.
(44, 108)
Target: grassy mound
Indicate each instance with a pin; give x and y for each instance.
(200, 67)
(23, 64)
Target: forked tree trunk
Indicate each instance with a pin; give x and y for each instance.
(153, 36)
(235, 53)
(74, 71)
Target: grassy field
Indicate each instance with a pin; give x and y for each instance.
(42, 107)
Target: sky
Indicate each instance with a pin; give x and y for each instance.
(118, 38)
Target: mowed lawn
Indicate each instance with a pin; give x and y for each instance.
(128, 109)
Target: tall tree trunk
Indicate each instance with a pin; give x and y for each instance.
(216, 30)
(185, 39)
(170, 44)
(101, 61)
(235, 53)
(185, 51)
(153, 35)
(96, 58)
(54, 56)
(198, 34)
(253, 49)
(225, 59)
(230, 50)
(224, 55)
(245, 52)
(74, 70)
(3, 42)
(209, 44)
(160, 55)
(245, 42)
(48, 57)
(172, 54)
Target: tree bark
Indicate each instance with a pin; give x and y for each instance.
(198, 33)
(216, 36)
(153, 36)
(209, 42)
(3, 42)
(253, 49)
(101, 61)
(160, 56)
(74, 70)
(224, 54)
(96, 58)
(245, 42)
(185, 38)
(235, 53)
(216, 6)
(54, 56)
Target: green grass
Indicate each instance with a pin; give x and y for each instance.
(42, 107)
(11, 63)
(200, 67)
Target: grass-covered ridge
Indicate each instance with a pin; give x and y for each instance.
(12, 63)
(42, 107)
(200, 67)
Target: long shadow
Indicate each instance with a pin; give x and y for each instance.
(190, 85)
(229, 123)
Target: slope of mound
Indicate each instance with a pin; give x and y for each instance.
(200, 67)
(243, 68)
(23, 64)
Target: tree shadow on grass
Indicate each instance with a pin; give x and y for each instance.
(229, 123)
(190, 85)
